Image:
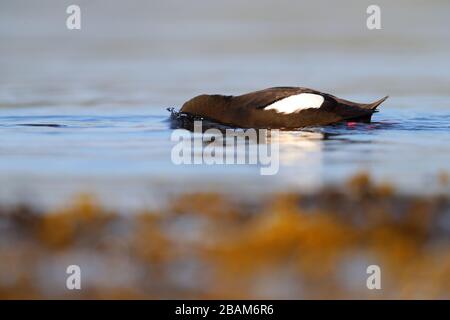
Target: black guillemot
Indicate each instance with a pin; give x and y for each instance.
(279, 107)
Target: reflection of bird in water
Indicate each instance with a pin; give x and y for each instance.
(304, 145)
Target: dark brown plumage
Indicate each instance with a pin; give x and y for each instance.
(252, 110)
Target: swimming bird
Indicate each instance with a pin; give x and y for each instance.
(279, 107)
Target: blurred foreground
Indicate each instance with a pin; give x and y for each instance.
(214, 246)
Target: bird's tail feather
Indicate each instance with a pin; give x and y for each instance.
(374, 105)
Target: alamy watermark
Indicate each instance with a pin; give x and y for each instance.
(73, 21)
(73, 281)
(374, 279)
(231, 146)
(373, 21)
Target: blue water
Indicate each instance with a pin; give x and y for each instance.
(99, 95)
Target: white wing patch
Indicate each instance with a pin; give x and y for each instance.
(296, 103)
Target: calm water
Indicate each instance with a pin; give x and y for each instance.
(99, 95)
